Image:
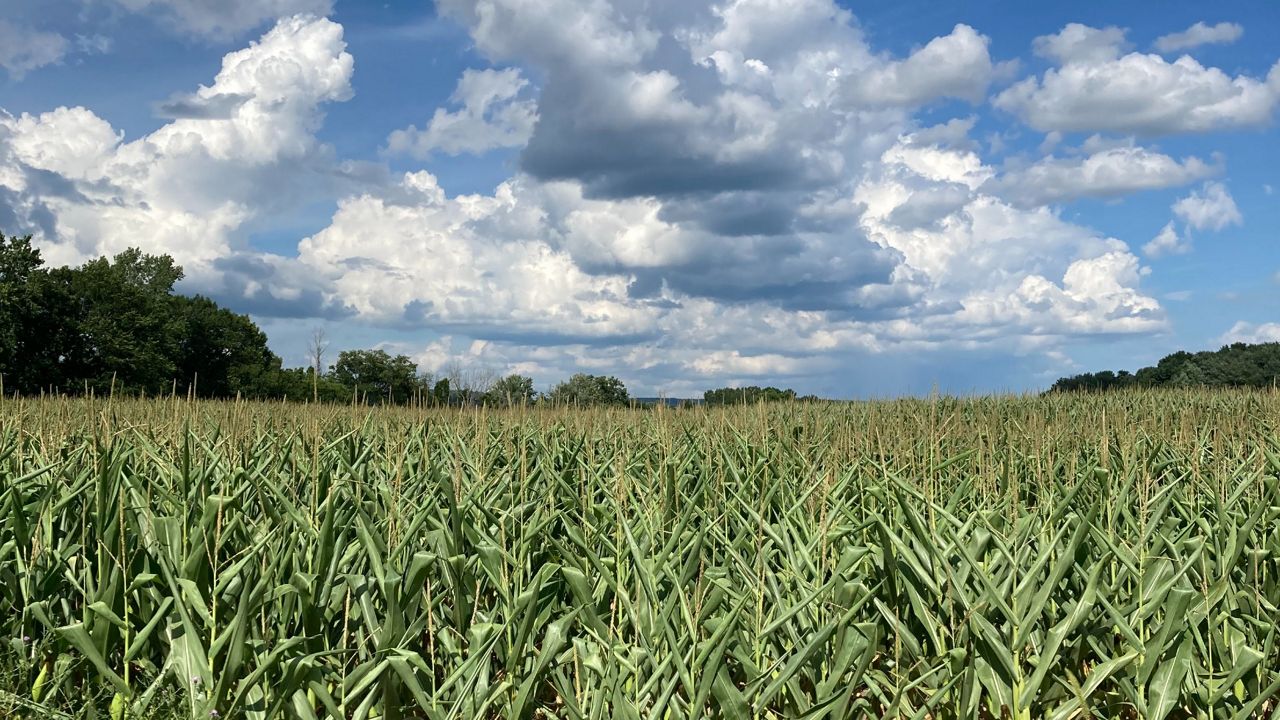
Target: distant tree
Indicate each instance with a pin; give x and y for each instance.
(1235, 365)
(583, 389)
(441, 393)
(301, 384)
(1188, 374)
(376, 375)
(747, 395)
(511, 390)
(316, 349)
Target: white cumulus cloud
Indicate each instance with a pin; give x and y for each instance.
(1245, 332)
(1096, 88)
(1199, 34)
(1077, 43)
(186, 188)
(1167, 242)
(1106, 173)
(1210, 208)
(491, 116)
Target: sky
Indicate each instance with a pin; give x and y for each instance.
(853, 199)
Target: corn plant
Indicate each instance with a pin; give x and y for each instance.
(1021, 557)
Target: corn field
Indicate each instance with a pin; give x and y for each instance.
(1113, 556)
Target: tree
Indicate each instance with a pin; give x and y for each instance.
(219, 353)
(583, 389)
(1188, 375)
(377, 375)
(747, 395)
(1235, 365)
(441, 394)
(510, 391)
(19, 261)
(123, 316)
(319, 344)
(302, 384)
(317, 348)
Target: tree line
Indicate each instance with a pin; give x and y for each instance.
(753, 394)
(1235, 365)
(116, 326)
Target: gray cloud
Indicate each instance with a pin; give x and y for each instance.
(218, 106)
(269, 286)
(927, 206)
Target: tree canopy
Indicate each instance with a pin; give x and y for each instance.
(584, 389)
(1235, 365)
(378, 375)
(510, 391)
(116, 325)
(749, 395)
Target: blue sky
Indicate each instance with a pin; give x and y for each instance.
(852, 199)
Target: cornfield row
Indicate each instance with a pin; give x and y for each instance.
(1058, 557)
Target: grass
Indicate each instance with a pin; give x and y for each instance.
(1025, 557)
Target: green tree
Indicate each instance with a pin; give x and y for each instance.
(584, 389)
(747, 395)
(510, 391)
(123, 316)
(441, 394)
(19, 262)
(377, 375)
(1235, 365)
(1188, 375)
(223, 353)
(302, 384)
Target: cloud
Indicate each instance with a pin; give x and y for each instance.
(550, 280)
(1167, 242)
(1094, 88)
(700, 100)
(224, 19)
(954, 66)
(1199, 34)
(1077, 43)
(479, 262)
(713, 193)
(710, 144)
(491, 117)
(23, 49)
(189, 187)
(1107, 173)
(992, 268)
(1210, 208)
(220, 106)
(1243, 332)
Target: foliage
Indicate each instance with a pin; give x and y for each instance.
(220, 353)
(115, 326)
(378, 376)
(512, 390)
(1063, 556)
(1235, 365)
(584, 390)
(749, 395)
(441, 393)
